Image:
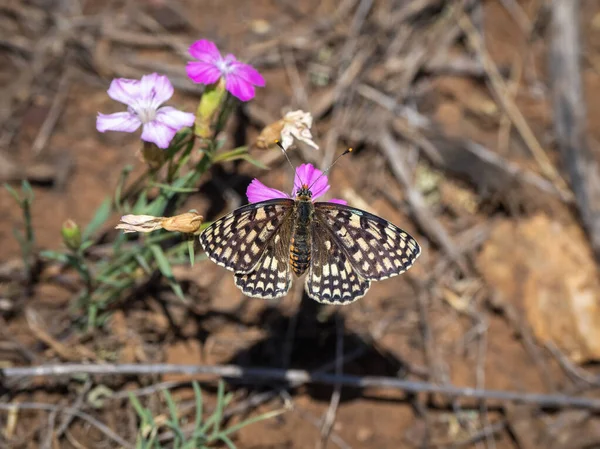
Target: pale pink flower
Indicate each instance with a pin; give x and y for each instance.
(240, 78)
(306, 176)
(143, 99)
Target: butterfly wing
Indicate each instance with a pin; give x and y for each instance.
(272, 277)
(331, 278)
(376, 248)
(238, 240)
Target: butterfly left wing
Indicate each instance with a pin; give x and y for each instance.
(237, 241)
(272, 276)
(376, 248)
(331, 279)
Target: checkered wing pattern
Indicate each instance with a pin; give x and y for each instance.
(331, 278)
(374, 247)
(238, 241)
(272, 276)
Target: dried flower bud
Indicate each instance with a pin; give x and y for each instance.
(269, 135)
(187, 223)
(71, 235)
(139, 223)
(294, 125)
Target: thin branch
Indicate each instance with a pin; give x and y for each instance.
(570, 115)
(58, 104)
(499, 91)
(301, 376)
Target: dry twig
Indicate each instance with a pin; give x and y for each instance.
(294, 376)
(503, 97)
(570, 115)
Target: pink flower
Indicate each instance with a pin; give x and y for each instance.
(143, 98)
(240, 78)
(306, 175)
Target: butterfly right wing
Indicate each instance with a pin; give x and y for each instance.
(238, 240)
(331, 278)
(376, 248)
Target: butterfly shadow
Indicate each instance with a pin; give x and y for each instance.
(310, 340)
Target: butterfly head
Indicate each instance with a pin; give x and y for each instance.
(304, 193)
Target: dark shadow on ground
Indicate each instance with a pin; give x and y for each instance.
(307, 341)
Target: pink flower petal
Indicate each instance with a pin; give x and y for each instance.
(257, 192)
(308, 174)
(156, 89)
(119, 121)
(124, 90)
(202, 72)
(158, 133)
(249, 73)
(338, 201)
(239, 87)
(205, 50)
(174, 118)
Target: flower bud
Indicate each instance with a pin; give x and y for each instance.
(208, 108)
(71, 235)
(153, 155)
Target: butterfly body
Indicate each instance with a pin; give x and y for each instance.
(341, 249)
(300, 242)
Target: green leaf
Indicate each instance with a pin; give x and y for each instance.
(165, 268)
(255, 162)
(140, 205)
(86, 245)
(199, 405)
(122, 179)
(252, 420)
(27, 190)
(143, 264)
(174, 422)
(54, 255)
(144, 414)
(172, 408)
(227, 441)
(231, 155)
(169, 188)
(92, 314)
(191, 251)
(13, 193)
(161, 261)
(219, 408)
(100, 217)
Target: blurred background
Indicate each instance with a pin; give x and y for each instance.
(476, 126)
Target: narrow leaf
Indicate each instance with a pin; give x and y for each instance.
(100, 217)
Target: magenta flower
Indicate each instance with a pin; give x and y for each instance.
(143, 98)
(306, 175)
(240, 78)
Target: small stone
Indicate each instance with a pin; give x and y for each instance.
(546, 269)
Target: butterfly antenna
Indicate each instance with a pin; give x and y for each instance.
(278, 143)
(348, 151)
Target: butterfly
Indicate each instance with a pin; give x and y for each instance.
(340, 248)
